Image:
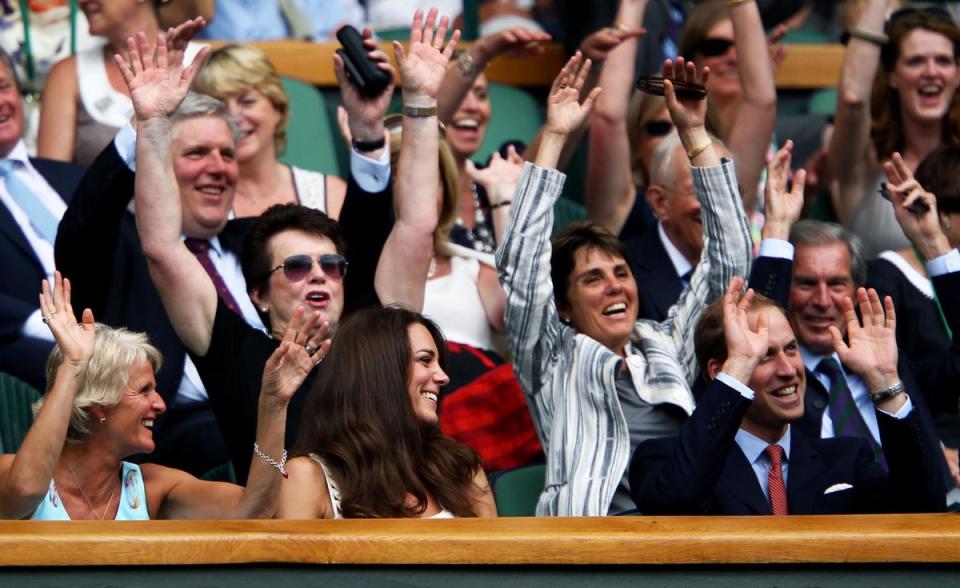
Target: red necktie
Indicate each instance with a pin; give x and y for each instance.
(778, 493)
(201, 249)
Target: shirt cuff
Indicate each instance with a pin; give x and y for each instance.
(736, 385)
(776, 248)
(126, 145)
(945, 264)
(373, 175)
(902, 413)
(34, 327)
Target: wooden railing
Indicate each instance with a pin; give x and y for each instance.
(519, 541)
(806, 66)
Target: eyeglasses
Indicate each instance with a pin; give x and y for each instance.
(714, 46)
(298, 267)
(658, 128)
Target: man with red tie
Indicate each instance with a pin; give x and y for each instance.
(738, 455)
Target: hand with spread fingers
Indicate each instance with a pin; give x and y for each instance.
(499, 179)
(75, 340)
(424, 63)
(179, 37)
(685, 113)
(302, 347)
(157, 83)
(915, 209)
(782, 204)
(598, 45)
(871, 346)
(512, 42)
(565, 111)
(745, 346)
(364, 120)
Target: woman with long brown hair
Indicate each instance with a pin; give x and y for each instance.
(370, 445)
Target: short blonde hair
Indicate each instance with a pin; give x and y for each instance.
(107, 375)
(233, 69)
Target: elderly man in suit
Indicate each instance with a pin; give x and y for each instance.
(739, 455)
(33, 197)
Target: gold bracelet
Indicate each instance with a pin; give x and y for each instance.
(699, 149)
(419, 111)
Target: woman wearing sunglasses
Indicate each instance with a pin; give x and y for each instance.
(729, 39)
(292, 256)
(898, 92)
(370, 444)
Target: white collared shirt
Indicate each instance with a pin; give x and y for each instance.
(680, 263)
(755, 450)
(43, 249)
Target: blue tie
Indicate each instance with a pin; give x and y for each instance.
(40, 217)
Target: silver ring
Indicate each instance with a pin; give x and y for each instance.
(45, 319)
(310, 350)
(318, 362)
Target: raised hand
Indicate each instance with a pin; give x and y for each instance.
(871, 347)
(921, 227)
(365, 114)
(685, 113)
(512, 42)
(302, 347)
(745, 346)
(76, 341)
(500, 178)
(179, 37)
(782, 207)
(598, 45)
(157, 85)
(778, 50)
(424, 63)
(565, 112)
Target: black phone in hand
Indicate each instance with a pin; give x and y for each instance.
(363, 72)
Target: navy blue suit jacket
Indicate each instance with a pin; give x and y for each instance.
(703, 471)
(21, 277)
(658, 286)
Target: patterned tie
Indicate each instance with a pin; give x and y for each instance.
(43, 221)
(778, 493)
(846, 417)
(201, 249)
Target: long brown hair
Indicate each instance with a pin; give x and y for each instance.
(886, 130)
(358, 419)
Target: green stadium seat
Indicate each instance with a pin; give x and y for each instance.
(517, 491)
(312, 135)
(16, 412)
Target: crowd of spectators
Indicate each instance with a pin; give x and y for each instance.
(719, 335)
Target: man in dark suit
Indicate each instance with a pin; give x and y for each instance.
(27, 232)
(738, 453)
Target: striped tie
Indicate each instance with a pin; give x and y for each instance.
(846, 417)
(778, 493)
(201, 249)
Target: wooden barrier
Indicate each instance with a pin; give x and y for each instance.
(806, 66)
(512, 542)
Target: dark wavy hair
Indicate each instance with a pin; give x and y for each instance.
(359, 420)
(886, 130)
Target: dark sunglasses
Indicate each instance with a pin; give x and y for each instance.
(298, 267)
(714, 47)
(658, 128)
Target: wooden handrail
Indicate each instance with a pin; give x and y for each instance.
(931, 538)
(806, 66)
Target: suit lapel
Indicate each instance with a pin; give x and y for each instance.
(805, 469)
(740, 482)
(815, 402)
(11, 230)
(655, 272)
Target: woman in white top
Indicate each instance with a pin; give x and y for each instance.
(370, 444)
(243, 77)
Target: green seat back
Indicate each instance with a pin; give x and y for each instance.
(222, 473)
(515, 115)
(311, 137)
(517, 491)
(823, 101)
(16, 412)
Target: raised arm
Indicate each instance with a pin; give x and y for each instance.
(25, 477)
(186, 497)
(848, 152)
(402, 270)
(612, 190)
(157, 87)
(58, 112)
(749, 137)
(513, 42)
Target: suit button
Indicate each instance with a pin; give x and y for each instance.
(820, 403)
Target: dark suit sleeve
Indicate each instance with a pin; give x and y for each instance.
(939, 373)
(89, 233)
(770, 276)
(679, 475)
(365, 219)
(915, 461)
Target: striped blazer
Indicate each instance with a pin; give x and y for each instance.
(568, 378)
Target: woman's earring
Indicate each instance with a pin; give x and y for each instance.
(103, 420)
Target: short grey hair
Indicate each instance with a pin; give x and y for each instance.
(196, 105)
(662, 158)
(814, 232)
(115, 351)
